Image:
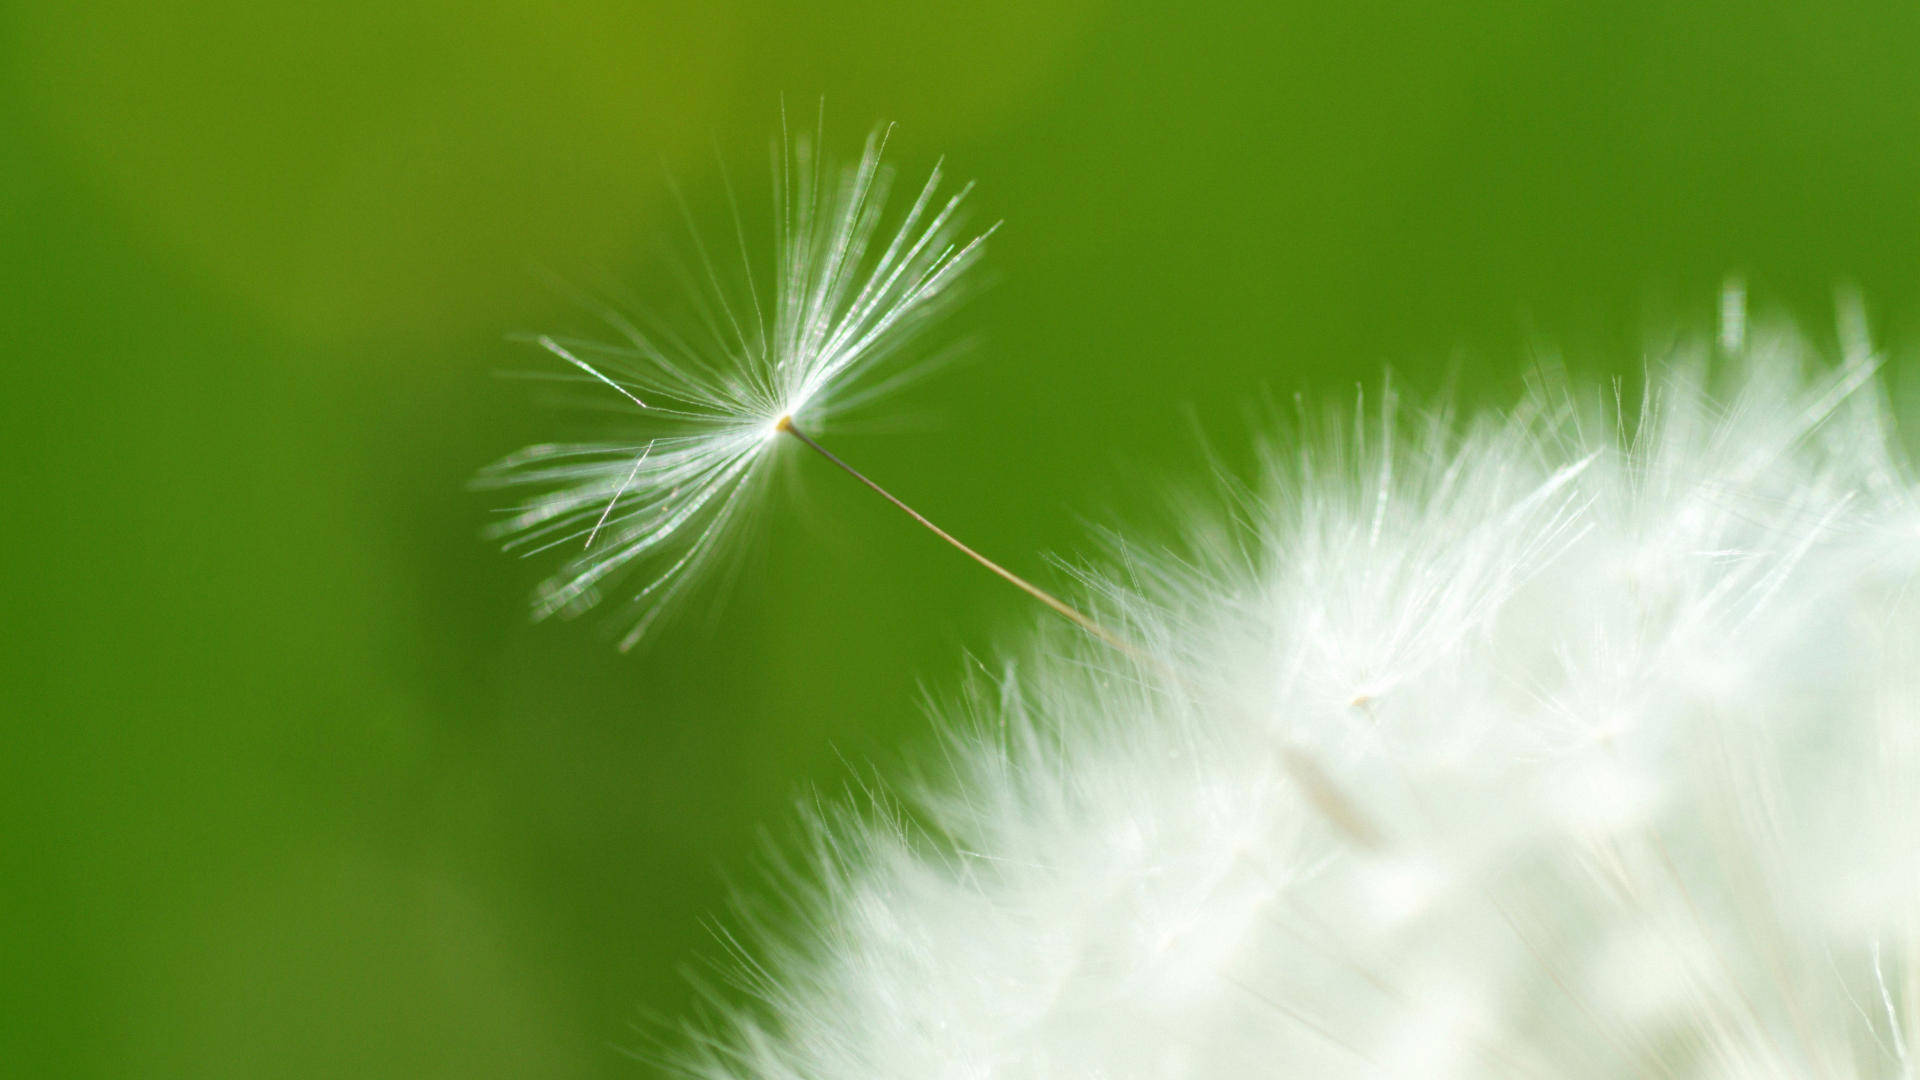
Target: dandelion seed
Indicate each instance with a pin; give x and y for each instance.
(854, 281)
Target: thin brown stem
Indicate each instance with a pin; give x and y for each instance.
(1058, 605)
(1319, 788)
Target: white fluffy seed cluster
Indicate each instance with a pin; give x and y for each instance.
(1613, 712)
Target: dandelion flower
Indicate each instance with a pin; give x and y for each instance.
(854, 278)
(1629, 695)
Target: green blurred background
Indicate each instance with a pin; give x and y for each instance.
(292, 788)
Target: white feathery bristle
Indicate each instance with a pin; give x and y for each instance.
(1628, 697)
(853, 279)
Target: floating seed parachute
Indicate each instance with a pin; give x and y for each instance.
(853, 279)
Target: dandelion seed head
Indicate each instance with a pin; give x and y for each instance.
(855, 275)
(1629, 690)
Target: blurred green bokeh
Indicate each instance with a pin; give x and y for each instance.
(291, 788)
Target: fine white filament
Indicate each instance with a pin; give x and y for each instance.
(853, 279)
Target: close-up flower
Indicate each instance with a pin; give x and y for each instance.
(1027, 540)
(1624, 689)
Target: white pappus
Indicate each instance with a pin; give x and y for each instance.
(855, 275)
(1628, 696)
